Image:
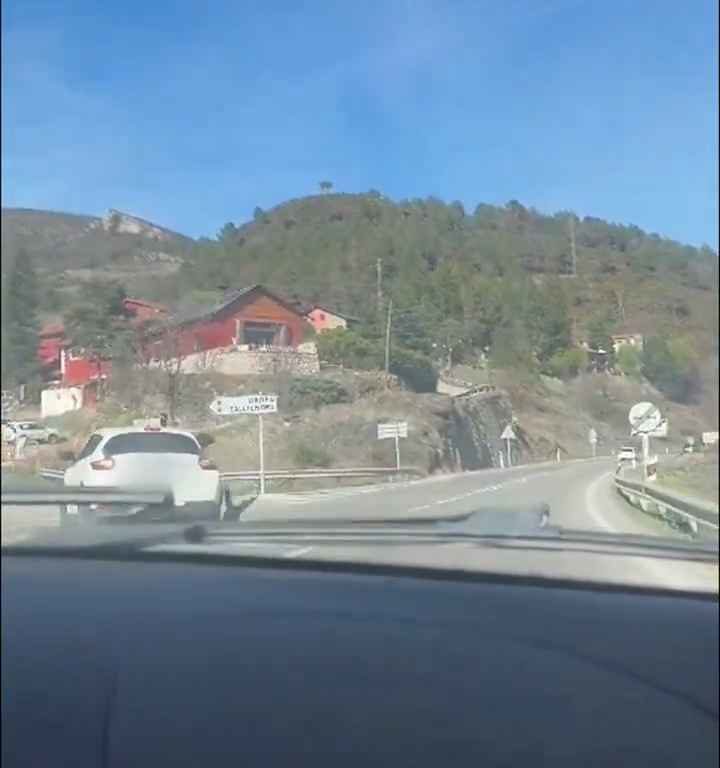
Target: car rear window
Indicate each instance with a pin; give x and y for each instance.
(148, 442)
(90, 446)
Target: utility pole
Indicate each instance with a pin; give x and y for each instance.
(378, 268)
(573, 250)
(387, 337)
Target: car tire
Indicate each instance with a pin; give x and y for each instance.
(52, 439)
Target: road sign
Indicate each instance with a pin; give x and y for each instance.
(245, 404)
(508, 434)
(255, 405)
(709, 438)
(592, 436)
(390, 431)
(661, 431)
(395, 431)
(644, 418)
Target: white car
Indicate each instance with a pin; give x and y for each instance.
(32, 430)
(626, 453)
(149, 459)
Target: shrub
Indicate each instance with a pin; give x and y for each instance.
(671, 365)
(348, 348)
(629, 361)
(414, 369)
(316, 393)
(567, 363)
(308, 455)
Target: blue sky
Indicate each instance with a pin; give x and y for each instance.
(192, 113)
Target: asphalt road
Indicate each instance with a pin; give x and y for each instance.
(580, 496)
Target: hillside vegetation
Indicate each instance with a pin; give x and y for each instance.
(505, 282)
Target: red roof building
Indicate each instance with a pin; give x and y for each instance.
(253, 316)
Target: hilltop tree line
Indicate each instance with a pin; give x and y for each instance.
(503, 283)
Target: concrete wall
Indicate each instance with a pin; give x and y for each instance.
(54, 402)
(237, 361)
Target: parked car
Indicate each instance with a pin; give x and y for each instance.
(32, 430)
(627, 453)
(150, 459)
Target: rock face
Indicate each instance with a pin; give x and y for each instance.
(474, 429)
(117, 222)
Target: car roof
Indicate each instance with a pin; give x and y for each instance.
(114, 431)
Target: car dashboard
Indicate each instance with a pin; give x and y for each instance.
(120, 663)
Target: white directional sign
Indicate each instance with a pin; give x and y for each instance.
(661, 430)
(508, 434)
(710, 438)
(252, 404)
(644, 418)
(395, 431)
(389, 431)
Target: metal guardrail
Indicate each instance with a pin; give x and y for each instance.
(305, 474)
(289, 474)
(699, 516)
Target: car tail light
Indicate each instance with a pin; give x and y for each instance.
(107, 463)
(207, 464)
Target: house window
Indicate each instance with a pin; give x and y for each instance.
(321, 315)
(259, 334)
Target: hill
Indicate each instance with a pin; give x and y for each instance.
(69, 249)
(330, 248)
(509, 280)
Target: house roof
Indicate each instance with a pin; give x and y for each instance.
(332, 311)
(52, 329)
(196, 313)
(144, 303)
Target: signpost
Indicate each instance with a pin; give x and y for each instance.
(508, 435)
(248, 404)
(394, 431)
(593, 439)
(645, 419)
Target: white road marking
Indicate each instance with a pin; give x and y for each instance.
(299, 552)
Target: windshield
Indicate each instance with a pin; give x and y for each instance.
(139, 442)
(438, 264)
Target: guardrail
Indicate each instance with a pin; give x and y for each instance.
(291, 474)
(700, 517)
(305, 474)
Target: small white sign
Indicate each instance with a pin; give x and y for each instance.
(508, 434)
(709, 438)
(244, 404)
(592, 436)
(388, 431)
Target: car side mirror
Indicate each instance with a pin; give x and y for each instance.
(205, 439)
(67, 456)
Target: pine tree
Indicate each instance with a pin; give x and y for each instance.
(20, 322)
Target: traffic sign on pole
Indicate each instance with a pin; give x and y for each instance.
(644, 418)
(244, 404)
(508, 434)
(393, 431)
(255, 405)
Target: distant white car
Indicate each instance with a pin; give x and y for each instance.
(32, 430)
(627, 453)
(149, 459)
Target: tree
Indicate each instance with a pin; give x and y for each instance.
(228, 234)
(99, 327)
(629, 361)
(20, 322)
(326, 186)
(672, 366)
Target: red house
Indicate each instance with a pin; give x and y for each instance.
(251, 316)
(73, 368)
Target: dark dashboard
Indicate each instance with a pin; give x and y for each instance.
(108, 663)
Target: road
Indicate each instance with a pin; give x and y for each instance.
(580, 495)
